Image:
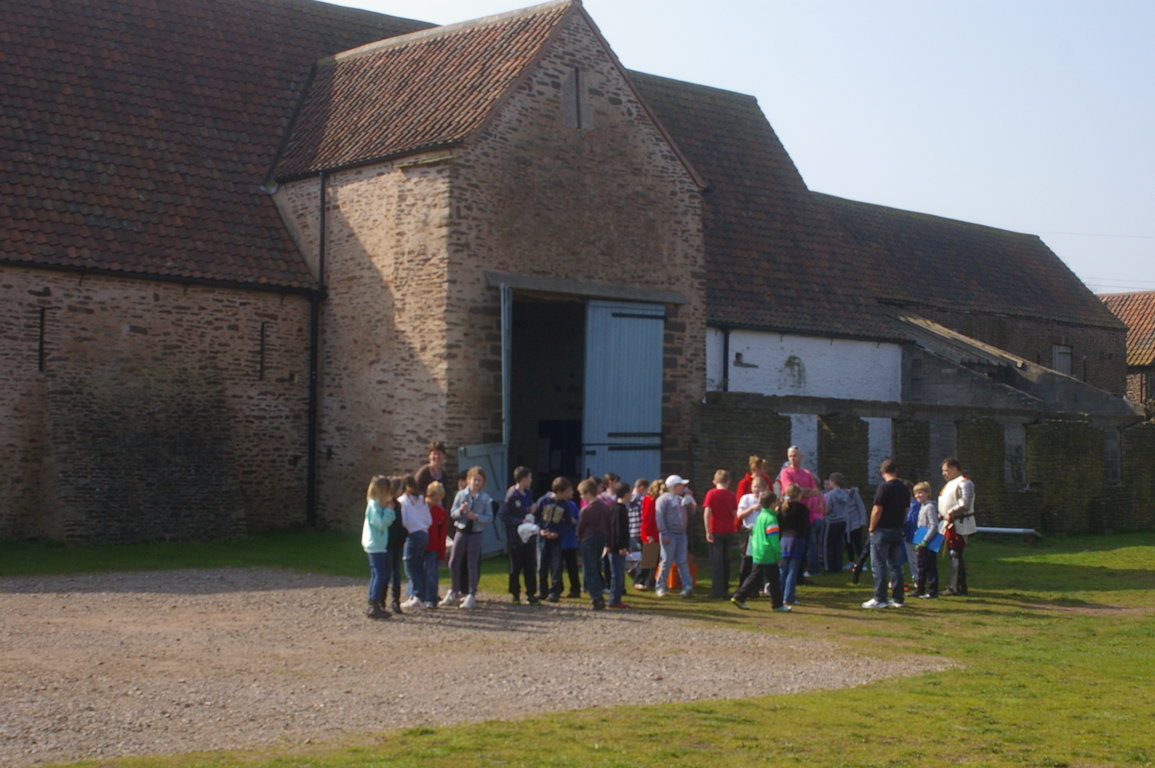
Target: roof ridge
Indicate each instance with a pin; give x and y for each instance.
(925, 215)
(399, 41)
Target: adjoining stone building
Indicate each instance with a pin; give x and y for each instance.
(254, 251)
(1137, 311)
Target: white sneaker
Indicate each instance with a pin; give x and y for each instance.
(449, 599)
(469, 602)
(872, 603)
(893, 604)
(411, 602)
(659, 593)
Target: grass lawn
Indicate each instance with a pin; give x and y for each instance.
(1055, 646)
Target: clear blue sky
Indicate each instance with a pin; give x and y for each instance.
(1031, 115)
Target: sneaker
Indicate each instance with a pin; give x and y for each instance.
(928, 597)
(894, 604)
(783, 609)
(428, 605)
(739, 603)
(599, 605)
(553, 598)
(532, 600)
(412, 602)
(872, 603)
(659, 593)
(469, 602)
(449, 599)
(640, 587)
(687, 593)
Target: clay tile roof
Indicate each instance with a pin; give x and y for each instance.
(135, 134)
(772, 254)
(911, 259)
(415, 92)
(1137, 311)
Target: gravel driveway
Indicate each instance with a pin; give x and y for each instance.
(104, 665)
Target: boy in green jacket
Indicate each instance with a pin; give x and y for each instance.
(766, 553)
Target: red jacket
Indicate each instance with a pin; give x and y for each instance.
(649, 522)
(438, 531)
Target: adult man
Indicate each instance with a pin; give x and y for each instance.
(891, 501)
(671, 513)
(956, 506)
(812, 497)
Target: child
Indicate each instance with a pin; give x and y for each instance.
(720, 510)
(593, 534)
(554, 516)
(634, 511)
(416, 518)
(397, 535)
(472, 511)
(927, 582)
(838, 508)
(515, 510)
(379, 516)
(855, 527)
(435, 549)
(748, 508)
(767, 552)
(794, 526)
(619, 544)
(649, 532)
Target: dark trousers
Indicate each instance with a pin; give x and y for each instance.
(570, 558)
(855, 544)
(958, 572)
(549, 568)
(523, 565)
(397, 537)
(834, 535)
(927, 572)
(720, 553)
(759, 575)
(591, 550)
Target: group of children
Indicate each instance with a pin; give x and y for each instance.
(614, 525)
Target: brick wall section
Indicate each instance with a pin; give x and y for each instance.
(912, 451)
(1064, 461)
(608, 202)
(150, 419)
(382, 373)
(843, 445)
(728, 429)
(1065, 464)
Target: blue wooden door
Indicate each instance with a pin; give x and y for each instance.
(622, 419)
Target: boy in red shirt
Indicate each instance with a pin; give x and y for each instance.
(721, 508)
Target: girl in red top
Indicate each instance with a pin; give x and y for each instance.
(645, 576)
(758, 467)
(435, 550)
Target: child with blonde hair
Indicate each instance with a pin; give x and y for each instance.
(472, 511)
(435, 549)
(379, 515)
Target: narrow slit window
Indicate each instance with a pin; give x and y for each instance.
(261, 352)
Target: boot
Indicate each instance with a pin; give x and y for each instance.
(377, 610)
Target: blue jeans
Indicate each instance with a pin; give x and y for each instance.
(415, 544)
(617, 577)
(815, 557)
(591, 550)
(886, 553)
(675, 552)
(790, 567)
(431, 574)
(378, 575)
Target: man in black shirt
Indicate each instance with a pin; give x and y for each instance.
(891, 501)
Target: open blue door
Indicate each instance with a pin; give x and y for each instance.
(622, 418)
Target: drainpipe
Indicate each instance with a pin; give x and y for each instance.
(314, 358)
(725, 359)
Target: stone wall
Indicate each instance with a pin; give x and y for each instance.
(137, 410)
(608, 202)
(1065, 487)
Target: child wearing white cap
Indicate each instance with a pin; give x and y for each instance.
(672, 513)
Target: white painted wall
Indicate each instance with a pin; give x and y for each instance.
(810, 366)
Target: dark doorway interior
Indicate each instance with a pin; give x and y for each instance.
(548, 351)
